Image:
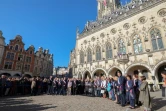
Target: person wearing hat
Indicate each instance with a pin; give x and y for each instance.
(144, 97)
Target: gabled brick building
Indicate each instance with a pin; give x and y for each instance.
(16, 60)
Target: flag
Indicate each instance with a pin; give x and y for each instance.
(105, 2)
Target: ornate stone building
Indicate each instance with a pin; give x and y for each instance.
(130, 39)
(43, 63)
(2, 46)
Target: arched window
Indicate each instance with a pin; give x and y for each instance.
(108, 51)
(16, 47)
(122, 47)
(81, 57)
(137, 44)
(156, 38)
(98, 53)
(89, 57)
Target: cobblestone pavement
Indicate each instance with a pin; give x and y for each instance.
(71, 103)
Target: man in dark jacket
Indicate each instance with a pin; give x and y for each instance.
(121, 87)
(63, 88)
(136, 88)
(74, 87)
(49, 91)
(3, 84)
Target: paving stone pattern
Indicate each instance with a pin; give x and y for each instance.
(71, 103)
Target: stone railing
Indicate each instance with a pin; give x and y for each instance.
(131, 12)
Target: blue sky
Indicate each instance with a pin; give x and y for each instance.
(47, 23)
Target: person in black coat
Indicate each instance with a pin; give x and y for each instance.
(136, 89)
(63, 88)
(82, 86)
(78, 86)
(49, 82)
(59, 86)
(55, 86)
(74, 87)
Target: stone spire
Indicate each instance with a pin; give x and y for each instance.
(2, 39)
(1, 34)
(77, 32)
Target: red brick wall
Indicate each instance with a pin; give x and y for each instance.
(16, 54)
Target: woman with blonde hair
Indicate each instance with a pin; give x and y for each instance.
(115, 88)
(103, 87)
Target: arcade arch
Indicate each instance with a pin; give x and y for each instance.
(161, 66)
(27, 75)
(138, 68)
(113, 71)
(86, 75)
(6, 74)
(99, 72)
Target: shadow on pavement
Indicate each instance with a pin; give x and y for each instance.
(17, 104)
(158, 103)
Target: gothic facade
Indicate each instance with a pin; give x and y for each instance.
(130, 39)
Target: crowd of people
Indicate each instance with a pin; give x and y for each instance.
(123, 90)
(12, 86)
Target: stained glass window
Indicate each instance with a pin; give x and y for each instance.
(108, 51)
(156, 38)
(137, 44)
(122, 47)
(98, 53)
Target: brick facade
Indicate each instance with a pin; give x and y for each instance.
(16, 58)
(18, 61)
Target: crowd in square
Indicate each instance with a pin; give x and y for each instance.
(124, 90)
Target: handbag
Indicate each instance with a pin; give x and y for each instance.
(90, 90)
(102, 91)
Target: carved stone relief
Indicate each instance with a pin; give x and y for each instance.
(102, 35)
(164, 20)
(126, 26)
(93, 39)
(162, 12)
(85, 42)
(113, 31)
(142, 20)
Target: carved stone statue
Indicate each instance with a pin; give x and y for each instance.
(1, 33)
(77, 31)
